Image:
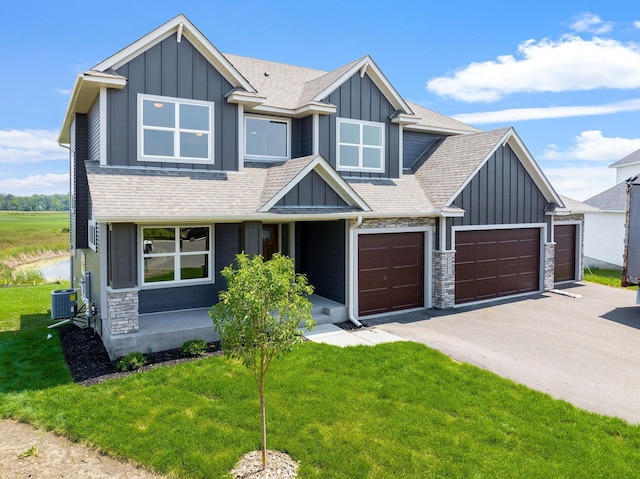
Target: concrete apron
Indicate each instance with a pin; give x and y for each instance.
(583, 350)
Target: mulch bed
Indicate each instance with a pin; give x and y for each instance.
(89, 363)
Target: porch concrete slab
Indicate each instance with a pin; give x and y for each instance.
(336, 336)
(580, 349)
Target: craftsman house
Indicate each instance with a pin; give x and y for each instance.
(182, 156)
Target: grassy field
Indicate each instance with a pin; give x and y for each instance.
(394, 410)
(608, 277)
(26, 237)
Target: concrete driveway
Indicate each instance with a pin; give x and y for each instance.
(585, 351)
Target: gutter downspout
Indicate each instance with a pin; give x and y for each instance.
(351, 300)
(71, 265)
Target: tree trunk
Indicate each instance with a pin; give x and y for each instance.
(263, 421)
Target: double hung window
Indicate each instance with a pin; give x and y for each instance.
(175, 130)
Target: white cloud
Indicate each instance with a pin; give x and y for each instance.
(636, 24)
(29, 146)
(591, 145)
(543, 113)
(569, 64)
(590, 22)
(62, 91)
(580, 182)
(45, 184)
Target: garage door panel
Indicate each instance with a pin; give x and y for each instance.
(496, 263)
(390, 272)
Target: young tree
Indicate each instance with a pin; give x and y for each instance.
(257, 317)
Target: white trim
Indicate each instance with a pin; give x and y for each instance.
(526, 160)
(176, 254)
(176, 130)
(378, 79)
(103, 126)
(400, 151)
(361, 146)
(578, 246)
(92, 234)
(328, 174)
(436, 129)
(191, 33)
(277, 119)
(427, 267)
(309, 108)
(240, 137)
(315, 127)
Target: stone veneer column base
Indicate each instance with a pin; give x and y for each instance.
(549, 265)
(444, 279)
(122, 311)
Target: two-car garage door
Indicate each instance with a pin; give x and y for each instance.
(494, 263)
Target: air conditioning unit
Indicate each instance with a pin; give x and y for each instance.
(64, 303)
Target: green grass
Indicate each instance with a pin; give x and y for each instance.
(26, 237)
(608, 277)
(398, 410)
(28, 360)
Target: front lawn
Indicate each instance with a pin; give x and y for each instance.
(608, 277)
(397, 410)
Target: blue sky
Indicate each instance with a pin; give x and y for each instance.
(566, 77)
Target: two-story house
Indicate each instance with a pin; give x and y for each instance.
(182, 157)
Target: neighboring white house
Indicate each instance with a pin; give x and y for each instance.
(604, 228)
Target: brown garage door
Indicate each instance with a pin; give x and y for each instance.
(390, 272)
(495, 263)
(565, 254)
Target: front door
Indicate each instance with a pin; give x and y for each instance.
(270, 244)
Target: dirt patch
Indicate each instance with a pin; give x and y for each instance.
(27, 453)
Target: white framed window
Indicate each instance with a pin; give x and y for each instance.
(175, 255)
(267, 138)
(175, 130)
(93, 235)
(360, 145)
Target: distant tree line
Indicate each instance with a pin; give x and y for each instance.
(9, 202)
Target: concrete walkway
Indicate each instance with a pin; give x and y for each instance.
(583, 350)
(336, 336)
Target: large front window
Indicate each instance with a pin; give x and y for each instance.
(176, 254)
(175, 130)
(266, 138)
(360, 145)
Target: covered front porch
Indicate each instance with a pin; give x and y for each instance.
(170, 329)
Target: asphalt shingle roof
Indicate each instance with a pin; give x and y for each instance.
(613, 199)
(444, 168)
(627, 160)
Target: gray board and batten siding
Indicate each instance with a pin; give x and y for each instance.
(178, 70)
(312, 190)
(501, 193)
(321, 250)
(79, 186)
(301, 136)
(415, 144)
(360, 99)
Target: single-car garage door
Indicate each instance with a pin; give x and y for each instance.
(495, 263)
(565, 252)
(390, 272)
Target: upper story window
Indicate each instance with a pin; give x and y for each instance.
(266, 138)
(360, 145)
(175, 130)
(176, 255)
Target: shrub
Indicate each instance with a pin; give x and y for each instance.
(132, 361)
(193, 347)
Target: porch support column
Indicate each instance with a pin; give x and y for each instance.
(252, 238)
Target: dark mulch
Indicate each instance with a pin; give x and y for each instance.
(89, 363)
(349, 326)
